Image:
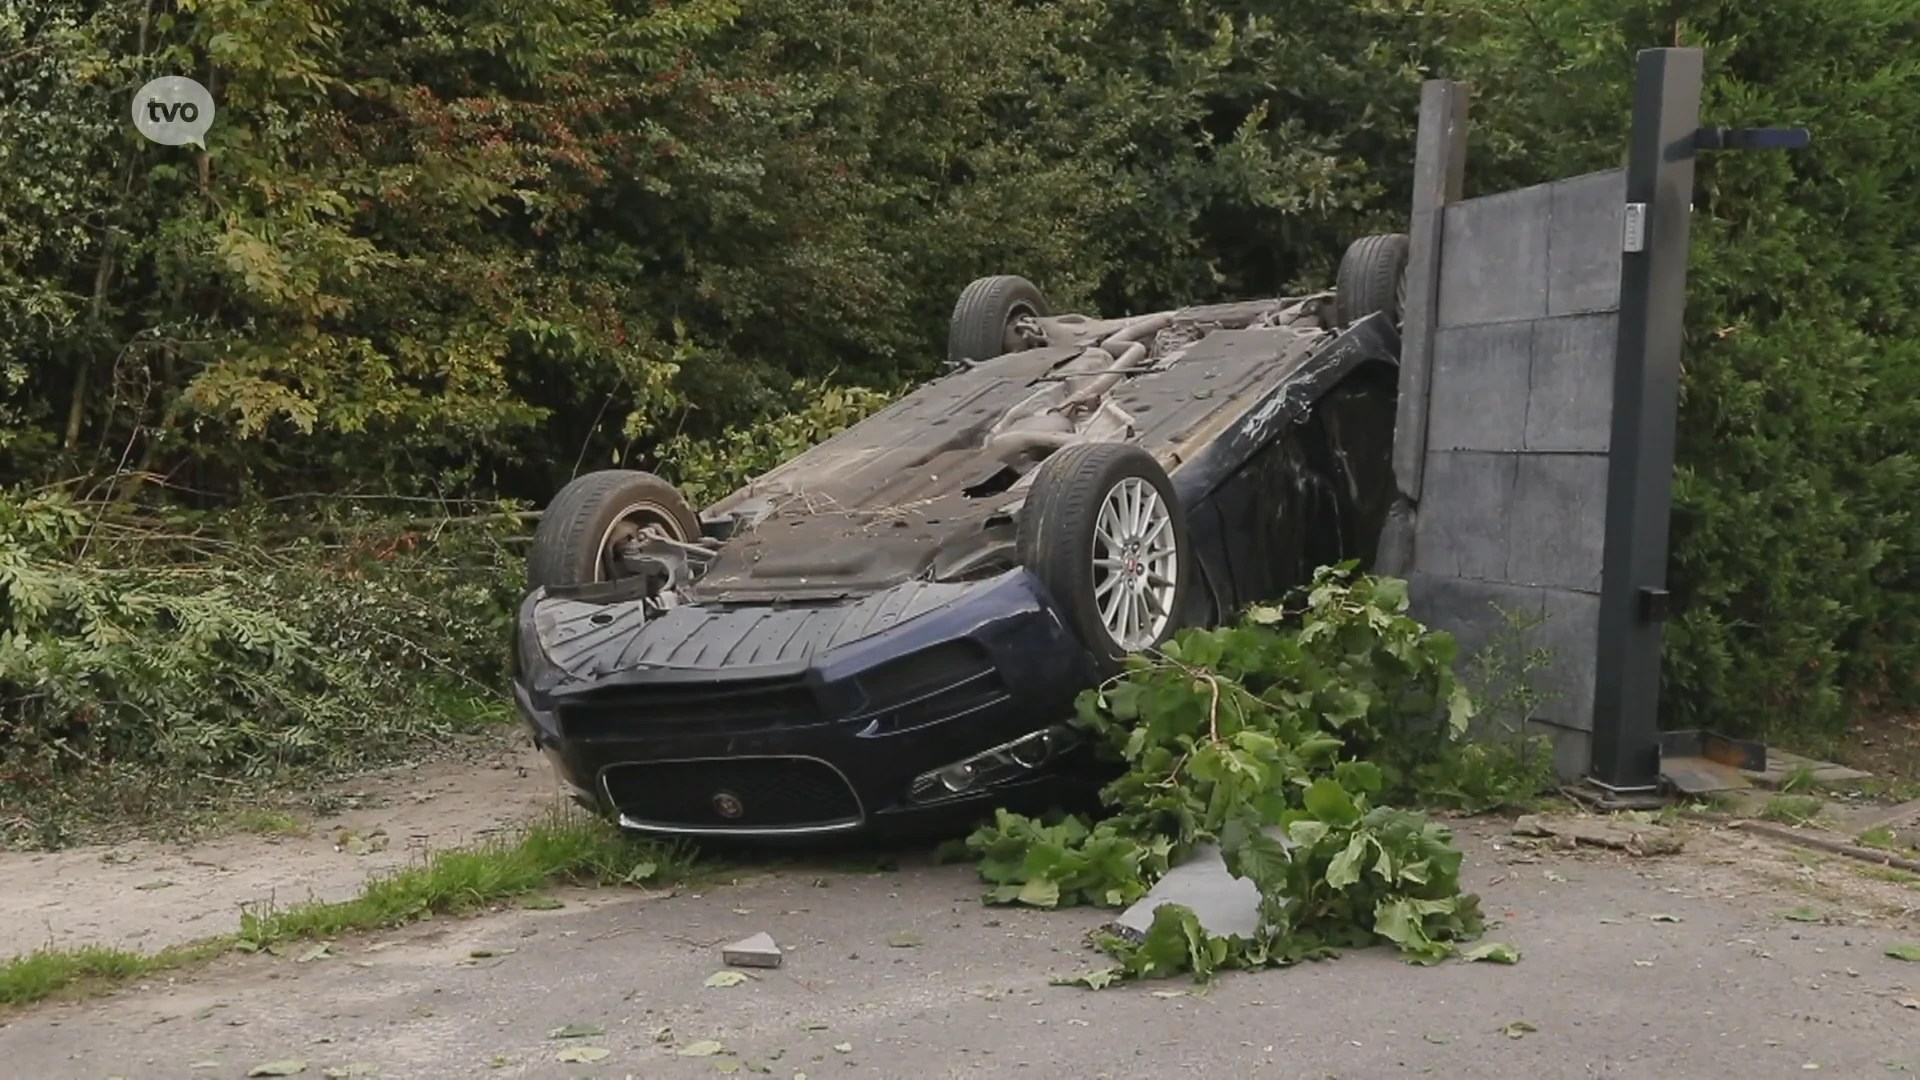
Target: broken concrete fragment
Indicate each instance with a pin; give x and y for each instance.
(1224, 904)
(1632, 837)
(758, 951)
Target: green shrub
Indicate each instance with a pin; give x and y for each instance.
(244, 661)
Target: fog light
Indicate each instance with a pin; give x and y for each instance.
(958, 778)
(1032, 751)
(1008, 761)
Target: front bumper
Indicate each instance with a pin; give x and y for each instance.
(829, 742)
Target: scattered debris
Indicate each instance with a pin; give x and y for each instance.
(903, 940)
(758, 951)
(583, 1055)
(1518, 1028)
(1620, 834)
(318, 952)
(289, 1067)
(576, 1031)
(1663, 917)
(725, 978)
(1910, 953)
(355, 1071)
(1814, 838)
(703, 1048)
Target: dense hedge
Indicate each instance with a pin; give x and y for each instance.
(461, 247)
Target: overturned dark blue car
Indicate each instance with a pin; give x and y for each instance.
(889, 630)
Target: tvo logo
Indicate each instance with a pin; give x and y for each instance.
(173, 110)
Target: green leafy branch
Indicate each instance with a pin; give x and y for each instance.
(1271, 738)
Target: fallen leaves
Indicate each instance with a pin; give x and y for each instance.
(1493, 952)
(702, 1048)
(287, 1067)
(318, 952)
(903, 940)
(1518, 1029)
(583, 1055)
(576, 1031)
(725, 978)
(1909, 953)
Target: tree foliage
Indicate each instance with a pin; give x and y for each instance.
(466, 248)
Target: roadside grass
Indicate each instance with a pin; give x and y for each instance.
(565, 849)
(1793, 809)
(267, 823)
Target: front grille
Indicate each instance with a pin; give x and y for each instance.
(722, 708)
(768, 793)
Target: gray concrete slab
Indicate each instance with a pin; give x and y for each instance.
(1557, 521)
(1480, 380)
(1571, 630)
(1570, 384)
(1461, 530)
(1493, 257)
(1584, 243)
(1729, 990)
(1474, 612)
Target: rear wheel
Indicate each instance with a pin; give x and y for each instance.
(984, 318)
(1103, 531)
(1373, 279)
(591, 517)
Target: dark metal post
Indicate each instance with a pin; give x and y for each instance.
(1439, 175)
(1653, 286)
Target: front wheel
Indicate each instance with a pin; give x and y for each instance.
(1103, 531)
(987, 316)
(582, 529)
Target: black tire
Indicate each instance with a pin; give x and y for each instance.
(569, 547)
(1056, 536)
(984, 315)
(1372, 278)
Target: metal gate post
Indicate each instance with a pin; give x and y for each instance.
(1653, 285)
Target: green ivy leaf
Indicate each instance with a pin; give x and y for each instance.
(1327, 801)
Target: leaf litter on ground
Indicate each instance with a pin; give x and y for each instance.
(702, 1048)
(584, 1055)
(1909, 953)
(286, 1067)
(726, 978)
(576, 1031)
(1518, 1028)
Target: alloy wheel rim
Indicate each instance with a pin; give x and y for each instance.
(1135, 564)
(627, 524)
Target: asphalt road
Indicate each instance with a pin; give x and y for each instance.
(1721, 985)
